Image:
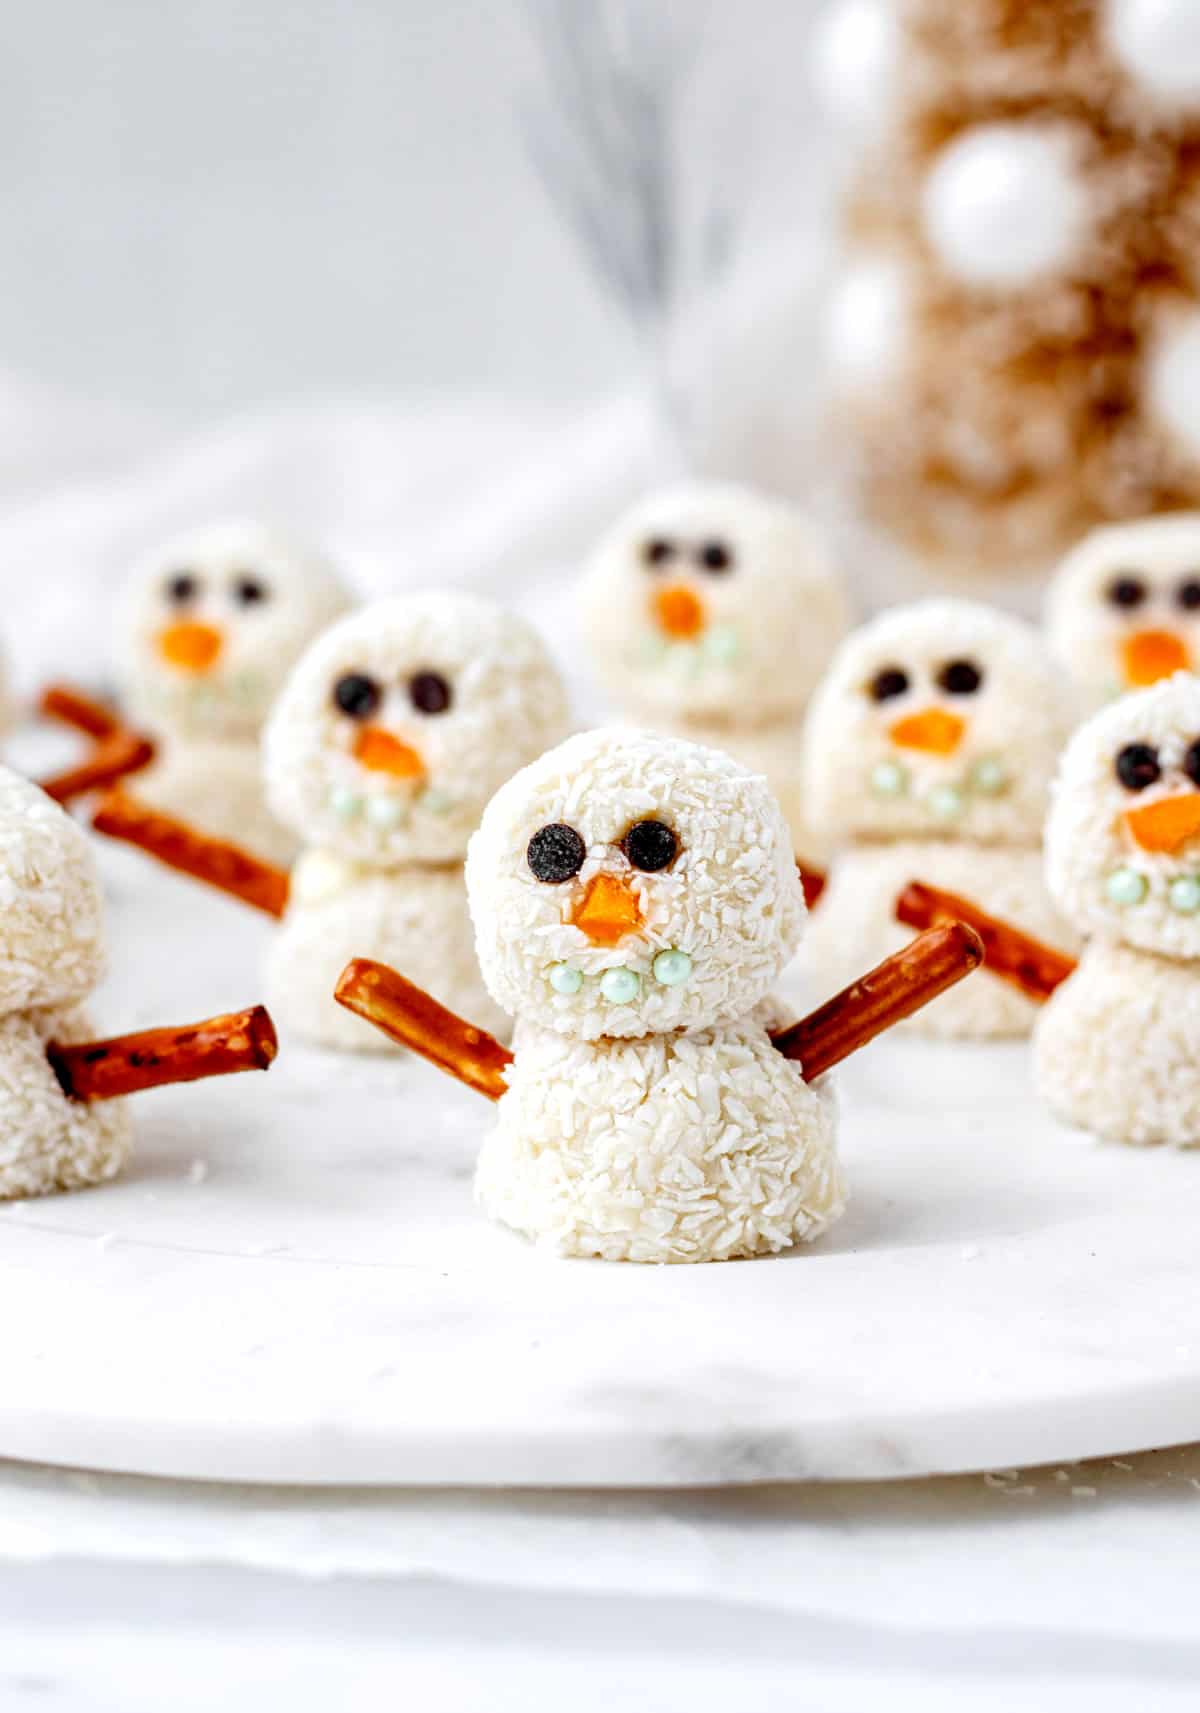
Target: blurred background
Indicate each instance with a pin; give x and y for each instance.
(212, 207)
(444, 287)
(316, 263)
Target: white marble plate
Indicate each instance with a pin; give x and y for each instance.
(318, 1300)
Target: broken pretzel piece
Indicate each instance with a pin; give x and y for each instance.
(114, 758)
(179, 846)
(118, 751)
(126, 1064)
(71, 707)
(1010, 955)
(411, 1016)
(892, 991)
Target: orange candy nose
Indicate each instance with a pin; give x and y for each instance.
(1167, 824)
(190, 646)
(1149, 655)
(383, 752)
(679, 611)
(933, 729)
(608, 910)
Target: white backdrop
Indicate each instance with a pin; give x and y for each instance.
(210, 206)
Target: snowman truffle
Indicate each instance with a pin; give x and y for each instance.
(634, 898)
(929, 752)
(393, 731)
(712, 611)
(1124, 607)
(1117, 1047)
(210, 626)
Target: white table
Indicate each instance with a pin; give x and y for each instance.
(1069, 1587)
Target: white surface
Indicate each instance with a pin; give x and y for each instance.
(1062, 1588)
(326, 1306)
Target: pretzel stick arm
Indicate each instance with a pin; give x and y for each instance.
(1010, 955)
(126, 1064)
(892, 991)
(71, 707)
(179, 846)
(410, 1016)
(113, 758)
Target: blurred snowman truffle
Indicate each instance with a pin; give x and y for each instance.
(712, 611)
(929, 753)
(210, 627)
(1124, 607)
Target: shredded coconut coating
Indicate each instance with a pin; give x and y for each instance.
(1088, 839)
(1086, 629)
(52, 950)
(48, 1141)
(777, 753)
(675, 1148)
(1117, 1047)
(1016, 721)
(259, 639)
(731, 900)
(853, 926)
(764, 622)
(507, 705)
(216, 785)
(414, 919)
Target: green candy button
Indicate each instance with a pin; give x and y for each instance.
(1125, 886)
(564, 979)
(671, 969)
(344, 803)
(619, 987)
(1183, 895)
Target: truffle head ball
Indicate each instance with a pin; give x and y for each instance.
(712, 602)
(52, 945)
(211, 623)
(943, 719)
(1124, 606)
(399, 723)
(627, 884)
(1123, 835)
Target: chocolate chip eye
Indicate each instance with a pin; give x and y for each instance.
(1137, 766)
(182, 588)
(650, 846)
(555, 853)
(658, 550)
(1191, 763)
(357, 695)
(714, 556)
(250, 591)
(960, 678)
(888, 683)
(429, 693)
(1188, 594)
(1126, 590)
